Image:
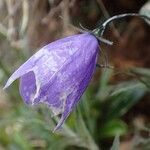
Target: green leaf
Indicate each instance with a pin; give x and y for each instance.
(103, 86)
(89, 113)
(84, 133)
(105, 77)
(143, 74)
(113, 127)
(122, 98)
(21, 142)
(116, 143)
(62, 143)
(141, 71)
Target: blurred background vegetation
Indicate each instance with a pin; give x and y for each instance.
(117, 101)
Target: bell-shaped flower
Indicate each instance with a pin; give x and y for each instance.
(58, 74)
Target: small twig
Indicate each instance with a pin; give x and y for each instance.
(11, 22)
(52, 12)
(106, 14)
(13, 11)
(25, 16)
(103, 8)
(65, 14)
(84, 28)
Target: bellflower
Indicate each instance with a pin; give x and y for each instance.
(58, 74)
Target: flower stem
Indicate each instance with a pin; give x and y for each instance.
(100, 30)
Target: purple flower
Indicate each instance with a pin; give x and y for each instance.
(58, 74)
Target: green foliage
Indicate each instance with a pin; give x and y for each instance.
(97, 117)
(113, 127)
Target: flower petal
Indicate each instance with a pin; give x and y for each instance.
(50, 66)
(39, 58)
(71, 80)
(73, 99)
(28, 87)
